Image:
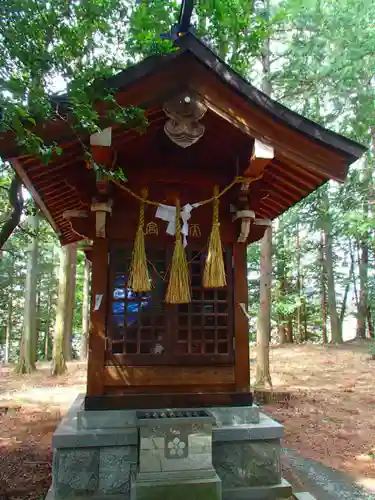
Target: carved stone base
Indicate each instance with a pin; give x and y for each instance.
(108, 454)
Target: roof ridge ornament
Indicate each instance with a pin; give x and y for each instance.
(183, 25)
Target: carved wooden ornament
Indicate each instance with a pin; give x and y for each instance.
(152, 228)
(195, 231)
(184, 112)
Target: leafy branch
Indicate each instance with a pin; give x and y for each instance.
(16, 201)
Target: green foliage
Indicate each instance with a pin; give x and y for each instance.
(322, 65)
(326, 49)
(147, 21)
(76, 42)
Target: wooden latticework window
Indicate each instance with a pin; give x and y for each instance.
(137, 321)
(205, 326)
(143, 329)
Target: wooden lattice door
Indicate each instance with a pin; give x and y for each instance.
(144, 330)
(204, 328)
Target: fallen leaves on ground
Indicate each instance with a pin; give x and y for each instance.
(329, 418)
(30, 409)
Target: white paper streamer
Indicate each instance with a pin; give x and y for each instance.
(168, 214)
(98, 301)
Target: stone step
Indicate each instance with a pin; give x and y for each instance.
(275, 492)
(202, 489)
(303, 496)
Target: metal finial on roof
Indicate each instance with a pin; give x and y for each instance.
(186, 12)
(184, 21)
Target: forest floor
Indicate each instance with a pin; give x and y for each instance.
(329, 417)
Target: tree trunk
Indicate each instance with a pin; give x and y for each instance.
(289, 331)
(346, 293)
(263, 376)
(363, 254)
(371, 205)
(85, 310)
(289, 318)
(48, 326)
(33, 318)
(46, 340)
(37, 324)
(354, 277)
(363, 278)
(16, 201)
(266, 54)
(305, 319)
(281, 330)
(370, 324)
(58, 354)
(70, 300)
(323, 290)
(28, 351)
(280, 274)
(299, 308)
(49, 308)
(328, 262)
(8, 331)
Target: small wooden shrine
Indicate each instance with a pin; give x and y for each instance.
(227, 160)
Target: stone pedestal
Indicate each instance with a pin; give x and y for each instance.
(175, 456)
(92, 462)
(112, 455)
(246, 457)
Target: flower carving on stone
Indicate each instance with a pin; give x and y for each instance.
(176, 448)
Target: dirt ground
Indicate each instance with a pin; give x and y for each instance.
(329, 418)
(331, 415)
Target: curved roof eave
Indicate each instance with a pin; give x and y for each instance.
(347, 148)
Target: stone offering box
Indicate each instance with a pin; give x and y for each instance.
(175, 456)
(209, 454)
(175, 441)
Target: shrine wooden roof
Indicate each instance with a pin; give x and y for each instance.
(306, 154)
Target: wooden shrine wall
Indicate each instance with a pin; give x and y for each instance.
(113, 374)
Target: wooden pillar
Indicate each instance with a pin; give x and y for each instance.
(241, 326)
(98, 315)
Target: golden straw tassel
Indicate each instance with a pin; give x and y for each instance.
(214, 270)
(139, 280)
(178, 291)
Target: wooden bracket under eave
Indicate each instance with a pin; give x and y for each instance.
(262, 155)
(101, 150)
(101, 210)
(74, 217)
(246, 223)
(246, 217)
(263, 222)
(71, 214)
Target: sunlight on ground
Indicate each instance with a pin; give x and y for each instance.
(46, 395)
(330, 415)
(367, 483)
(40, 388)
